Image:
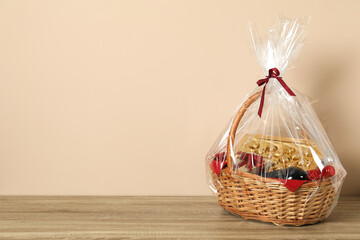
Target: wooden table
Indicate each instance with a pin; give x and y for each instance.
(24, 217)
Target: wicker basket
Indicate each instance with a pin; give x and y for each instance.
(264, 199)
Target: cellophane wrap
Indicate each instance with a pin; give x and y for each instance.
(285, 147)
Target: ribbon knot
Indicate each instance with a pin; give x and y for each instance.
(273, 73)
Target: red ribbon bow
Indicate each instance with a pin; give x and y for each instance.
(273, 73)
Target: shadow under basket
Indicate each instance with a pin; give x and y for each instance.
(264, 199)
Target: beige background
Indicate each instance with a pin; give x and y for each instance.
(126, 97)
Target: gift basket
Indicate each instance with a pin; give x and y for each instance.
(274, 162)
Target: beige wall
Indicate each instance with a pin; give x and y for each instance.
(126, 97)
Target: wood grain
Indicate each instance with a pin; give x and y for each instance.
(85, 217)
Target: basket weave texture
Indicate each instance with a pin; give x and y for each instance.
(267, 200)
(264, 199)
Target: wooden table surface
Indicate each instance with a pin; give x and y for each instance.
(85, 217)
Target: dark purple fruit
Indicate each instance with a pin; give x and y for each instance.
(288, 173)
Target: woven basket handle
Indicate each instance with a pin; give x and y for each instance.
(235, 124)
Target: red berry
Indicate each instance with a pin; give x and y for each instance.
(220, 156)
(218, 162)
(215, 166)
(328, 171)
(314, 174)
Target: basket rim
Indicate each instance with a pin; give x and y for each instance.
(272, 180)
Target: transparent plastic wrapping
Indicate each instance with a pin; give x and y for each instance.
(274, 161)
